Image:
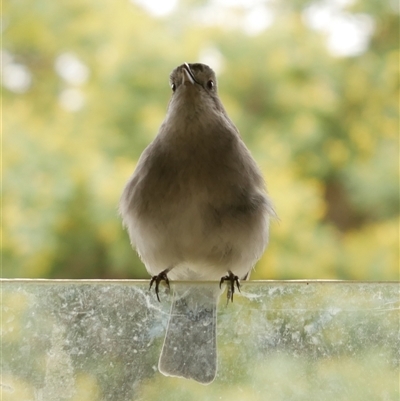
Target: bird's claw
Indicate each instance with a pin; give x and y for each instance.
(157, 279)
(233, 280)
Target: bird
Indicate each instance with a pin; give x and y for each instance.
(196, 209)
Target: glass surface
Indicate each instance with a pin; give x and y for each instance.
(278, 340)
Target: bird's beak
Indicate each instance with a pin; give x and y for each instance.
(187, 76)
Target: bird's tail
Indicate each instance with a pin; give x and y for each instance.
(190, 348)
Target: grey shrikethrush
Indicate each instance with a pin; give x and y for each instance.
(196, 209)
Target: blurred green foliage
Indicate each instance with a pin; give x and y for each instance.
(324, 130)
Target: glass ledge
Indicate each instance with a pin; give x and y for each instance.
(97, 340)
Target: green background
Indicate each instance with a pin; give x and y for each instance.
(323, 128)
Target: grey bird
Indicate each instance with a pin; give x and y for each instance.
(196, 209)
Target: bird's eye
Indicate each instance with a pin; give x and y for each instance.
(173, 87)
(210, 84)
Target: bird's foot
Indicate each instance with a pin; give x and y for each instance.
(157, 279)
(233, 280)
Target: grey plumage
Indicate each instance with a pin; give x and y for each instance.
(190, 345)
(195, 208)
